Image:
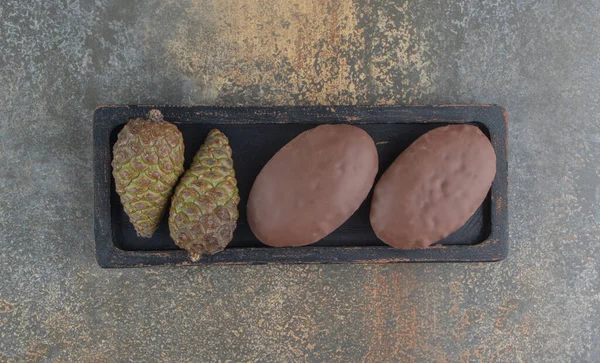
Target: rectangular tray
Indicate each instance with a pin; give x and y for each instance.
(255, 134)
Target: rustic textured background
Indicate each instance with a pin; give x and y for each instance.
(60, 59)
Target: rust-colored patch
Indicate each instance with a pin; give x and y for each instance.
(505, 115)
(392, 320)
(468, 318)
(505, 312)
(6, 307)
(36, 352)
(298, 52)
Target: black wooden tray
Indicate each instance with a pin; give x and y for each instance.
(255, 134)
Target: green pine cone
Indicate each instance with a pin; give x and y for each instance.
(204, 210)
(147, 161)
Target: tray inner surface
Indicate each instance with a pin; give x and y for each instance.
(253, 145)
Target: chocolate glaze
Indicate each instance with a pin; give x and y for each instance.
(312, 185)
(433, 187)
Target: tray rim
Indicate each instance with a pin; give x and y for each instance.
(494, 248)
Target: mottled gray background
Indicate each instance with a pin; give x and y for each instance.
(60, 59)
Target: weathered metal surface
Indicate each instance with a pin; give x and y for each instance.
(539, 59)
